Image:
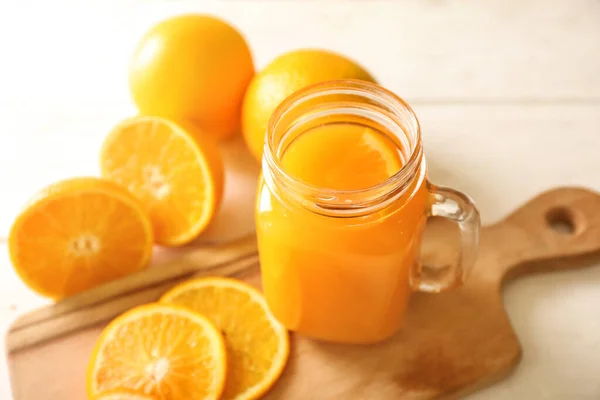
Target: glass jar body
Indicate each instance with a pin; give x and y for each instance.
(339, 262)
(340, 279)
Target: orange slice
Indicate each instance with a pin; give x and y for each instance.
(123, 395)
(257, 345)
(342, 157)
(161, 352)
(79, 233)
(175, 171)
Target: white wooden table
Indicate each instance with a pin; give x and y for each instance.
(508, 93)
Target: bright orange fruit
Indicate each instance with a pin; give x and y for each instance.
(177, 175)
(78, 233)
(257, 344)
(285, 75)
(192, 67)
(161, 352)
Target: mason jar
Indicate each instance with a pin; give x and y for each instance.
(340, 265)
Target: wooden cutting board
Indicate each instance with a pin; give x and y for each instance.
(451, 344)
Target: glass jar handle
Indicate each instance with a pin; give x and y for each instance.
(459, 208)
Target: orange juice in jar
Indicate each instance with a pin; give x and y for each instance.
(341, 208)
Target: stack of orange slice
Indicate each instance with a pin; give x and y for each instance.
(209, 338)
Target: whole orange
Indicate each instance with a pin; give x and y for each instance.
(285, 75)
(193, 67)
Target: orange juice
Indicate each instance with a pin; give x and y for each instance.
(341, 209)
(342, 156)
(322, 275)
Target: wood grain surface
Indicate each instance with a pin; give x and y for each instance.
(451, 343)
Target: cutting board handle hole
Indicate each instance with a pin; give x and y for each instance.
(561, 220)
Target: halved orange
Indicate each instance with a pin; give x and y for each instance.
(176, 171)
(257, 344)
(79, 233)
(159, 351)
